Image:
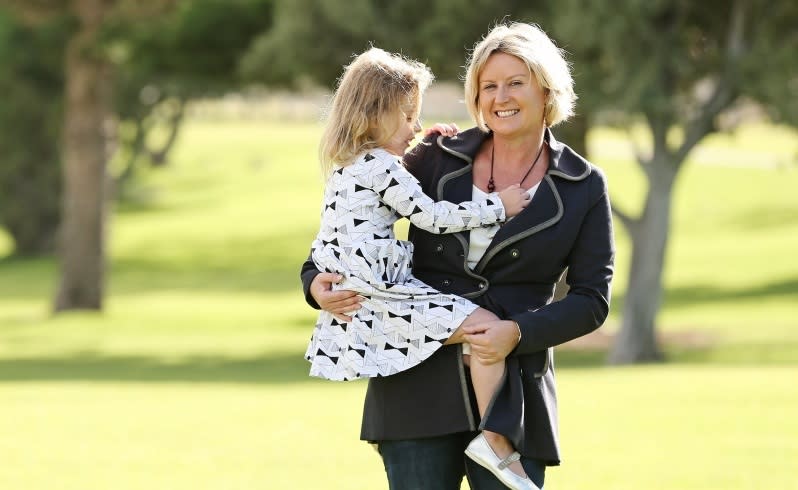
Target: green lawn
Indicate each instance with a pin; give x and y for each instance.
(193, 377)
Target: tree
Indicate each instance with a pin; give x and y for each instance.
(86, 108)
(440, 33)
(162, 64)
(175, 56)
(676, 66)
(30, 123)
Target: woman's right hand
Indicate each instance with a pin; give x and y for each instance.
(339, 303)
(514, 199)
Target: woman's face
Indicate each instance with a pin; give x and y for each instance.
(510, 99)
(408, 126)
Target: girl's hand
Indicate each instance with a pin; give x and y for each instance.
(515, 199)
(442, 128)
(339, 303)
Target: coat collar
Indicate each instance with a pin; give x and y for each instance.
(563, 161)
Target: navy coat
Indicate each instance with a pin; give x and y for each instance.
(567, 225)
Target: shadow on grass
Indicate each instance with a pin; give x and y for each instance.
(267, 369)
(291, 368)
(749, 354)
(284, 368)
(677, 297)
(684, 296)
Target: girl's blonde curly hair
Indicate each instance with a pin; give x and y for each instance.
(374, 90)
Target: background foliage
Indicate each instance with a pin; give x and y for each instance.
(30, 125)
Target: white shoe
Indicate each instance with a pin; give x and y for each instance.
(480, 451)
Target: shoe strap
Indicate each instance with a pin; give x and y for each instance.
(508, 460)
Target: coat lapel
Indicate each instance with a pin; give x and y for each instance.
(546, 207)
(544, 210)
(457, 186)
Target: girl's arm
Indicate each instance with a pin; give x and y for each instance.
(402, 192)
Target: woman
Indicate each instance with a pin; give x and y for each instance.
(517, 86)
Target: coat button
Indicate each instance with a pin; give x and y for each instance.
(515, 253)
(439, 248)
(447, 282)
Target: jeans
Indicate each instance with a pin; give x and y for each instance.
(438, 463)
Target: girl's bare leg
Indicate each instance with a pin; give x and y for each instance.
(486, 379)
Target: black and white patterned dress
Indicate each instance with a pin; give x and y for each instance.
(402, 321)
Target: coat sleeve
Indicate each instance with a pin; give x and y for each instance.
(307, 273)
(400, 190)
(590, 269)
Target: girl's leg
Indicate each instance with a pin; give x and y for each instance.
(486, 379)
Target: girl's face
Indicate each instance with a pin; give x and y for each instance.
(510, 98)
(407, 128)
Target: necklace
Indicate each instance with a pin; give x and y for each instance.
(492, 185)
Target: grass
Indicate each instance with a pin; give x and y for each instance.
(192, 377)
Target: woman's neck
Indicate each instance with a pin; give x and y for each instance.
(517, 152)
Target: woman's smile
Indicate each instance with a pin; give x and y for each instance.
(504, 114)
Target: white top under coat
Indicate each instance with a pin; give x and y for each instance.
(480, 238)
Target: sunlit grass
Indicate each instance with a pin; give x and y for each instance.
(193, 376)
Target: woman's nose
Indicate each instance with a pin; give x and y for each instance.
(501, 94)
(417, 126)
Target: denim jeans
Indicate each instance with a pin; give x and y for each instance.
(438, 463)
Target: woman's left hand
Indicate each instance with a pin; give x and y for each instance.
(493, 341)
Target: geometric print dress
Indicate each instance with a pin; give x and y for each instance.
(402, 321)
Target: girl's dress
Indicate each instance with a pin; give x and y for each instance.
(402, 321)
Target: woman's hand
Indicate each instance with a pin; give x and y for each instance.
(339, 303)
(493, 341)
(442, 128)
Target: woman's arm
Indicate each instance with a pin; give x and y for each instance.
(590, 269)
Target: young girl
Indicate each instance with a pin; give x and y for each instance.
(402, 321)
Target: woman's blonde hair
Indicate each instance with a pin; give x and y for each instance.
(545, 61)
(373, 90)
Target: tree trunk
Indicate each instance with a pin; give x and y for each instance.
(637, 341)
(136, 149)
(82, 240)
(159, 157)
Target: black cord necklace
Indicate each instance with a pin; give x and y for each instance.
(492, 185)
